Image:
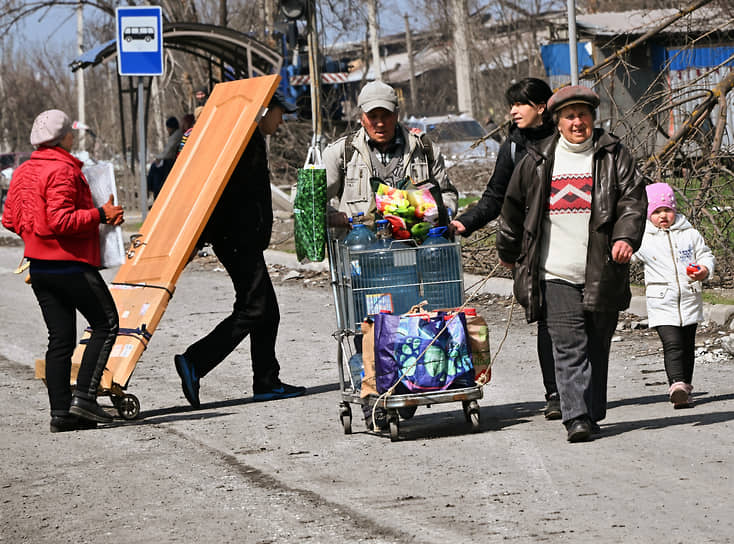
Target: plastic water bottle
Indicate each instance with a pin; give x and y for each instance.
(360, 238)
(356, 369)
(439, 264)
(383, 234)
(392, 274)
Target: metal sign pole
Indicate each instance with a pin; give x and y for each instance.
(142, 150)
(140, 53)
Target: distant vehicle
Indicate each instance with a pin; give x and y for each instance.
(8, 163)
(454, 135)
(131, 33)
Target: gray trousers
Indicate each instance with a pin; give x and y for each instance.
(581, 342)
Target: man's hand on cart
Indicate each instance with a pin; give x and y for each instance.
(337, 219)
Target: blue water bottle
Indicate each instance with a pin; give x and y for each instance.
(393, 276)
(359, 239)
(439, 265)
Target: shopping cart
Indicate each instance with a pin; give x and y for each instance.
(390, 279)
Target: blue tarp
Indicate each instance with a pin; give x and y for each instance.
(556, 58)
(698, 57)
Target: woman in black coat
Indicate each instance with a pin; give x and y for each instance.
(530, 123)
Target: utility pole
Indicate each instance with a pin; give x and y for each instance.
(374, 38)
(459, 16)
(269, 18)
(81, 142)
(572, 47)
(314, 70)
(411, 64)
(222, 23)
(222, 12)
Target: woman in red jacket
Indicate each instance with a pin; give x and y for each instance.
(49, 205)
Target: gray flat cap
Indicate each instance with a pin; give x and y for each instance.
(574, 94)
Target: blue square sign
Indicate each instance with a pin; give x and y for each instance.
(139, 41)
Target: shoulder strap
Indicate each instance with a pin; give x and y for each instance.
(427, 146)
(513, 151)
(350, 139)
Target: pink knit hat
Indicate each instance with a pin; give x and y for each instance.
(659, 195)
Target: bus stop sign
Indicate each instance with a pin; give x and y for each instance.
(139, 41)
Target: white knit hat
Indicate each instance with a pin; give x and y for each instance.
(49, 127)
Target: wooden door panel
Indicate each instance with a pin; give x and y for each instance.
(146, 281)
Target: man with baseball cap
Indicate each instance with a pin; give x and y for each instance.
(383, 152)
(573, 214)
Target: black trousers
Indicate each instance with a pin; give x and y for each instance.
(255, 313)
(679, 351)
(60, 296)
(545, 358)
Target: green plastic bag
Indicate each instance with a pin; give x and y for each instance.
(309, 209)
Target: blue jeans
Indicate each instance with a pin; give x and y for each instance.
(581, 342)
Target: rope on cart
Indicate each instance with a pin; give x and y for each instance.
(141, 333)
(123, 284)
(483, 380)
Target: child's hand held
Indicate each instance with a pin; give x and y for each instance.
(697, 272)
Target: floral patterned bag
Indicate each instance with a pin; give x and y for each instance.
(426, 352)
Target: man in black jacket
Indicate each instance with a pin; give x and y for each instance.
(239, 230)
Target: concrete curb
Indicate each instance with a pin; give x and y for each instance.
(289, 260)
(721, 314)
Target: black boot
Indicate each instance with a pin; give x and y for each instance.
(579, 429)
(65, 423)
(89, 410)
(552, 408)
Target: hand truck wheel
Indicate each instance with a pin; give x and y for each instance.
(128, 406)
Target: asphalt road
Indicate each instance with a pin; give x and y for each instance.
(284, 471)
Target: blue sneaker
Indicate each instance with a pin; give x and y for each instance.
(282, 391)
(189, 380)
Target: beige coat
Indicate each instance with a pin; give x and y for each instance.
(349, 169)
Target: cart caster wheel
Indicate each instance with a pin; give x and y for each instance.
(345, 415)
(407, 411)
(128, 406)
(393, 423)
(471, 412)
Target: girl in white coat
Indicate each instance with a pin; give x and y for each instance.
(676, 261)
